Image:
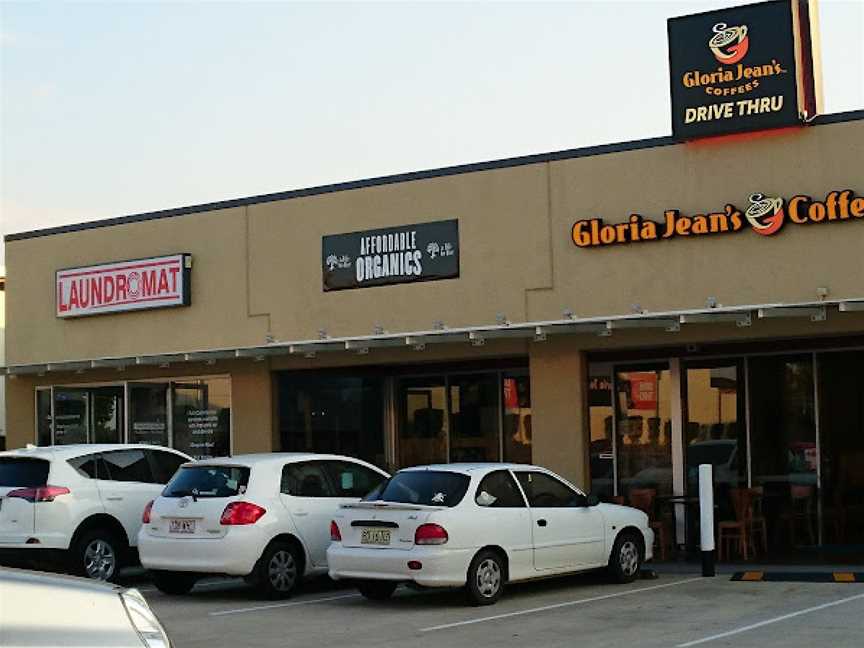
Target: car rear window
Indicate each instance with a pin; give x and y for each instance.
(23, 473)
(425, 487)
(208, 481)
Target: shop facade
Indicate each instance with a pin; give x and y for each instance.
(619, 314)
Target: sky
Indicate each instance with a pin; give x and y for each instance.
(116, 108)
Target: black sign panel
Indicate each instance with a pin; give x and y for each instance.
(404, 254)
(733, 70)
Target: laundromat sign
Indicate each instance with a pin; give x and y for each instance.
(404, 254)
(140, 284)
(765, 215)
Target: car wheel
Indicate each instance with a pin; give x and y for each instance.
(278, 570)
(175, 583)
(626, 558)
(485, 578)
(97, 555)
(376, 590)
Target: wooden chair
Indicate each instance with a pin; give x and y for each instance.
(643, 499)
(617, 499)
(800, 511)
(758, 523)
(736, 532)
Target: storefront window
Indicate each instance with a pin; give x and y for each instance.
(148, 413)
(715, 433)
(474, 418)
(783, 446)
(71, 416)
(644, 431)
(423, 428)
(516, 397)
(106, 424)
(201, 412)
(43, 417)
(333, 414)
(841, 425)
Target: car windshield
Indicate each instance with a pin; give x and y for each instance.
(23, 473)
(208, 481)
(425, 487)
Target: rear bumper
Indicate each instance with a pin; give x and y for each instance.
(234, 554)
(440, 567)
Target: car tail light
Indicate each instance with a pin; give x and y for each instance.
(145, 518)
(238, 513)
(335, 534)
(39, 494)
(430, 534)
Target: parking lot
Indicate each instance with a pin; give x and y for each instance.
(678, 610)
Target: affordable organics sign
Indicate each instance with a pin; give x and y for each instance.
(403, 254)
(733, 70)
(766, 215)
(141, 284)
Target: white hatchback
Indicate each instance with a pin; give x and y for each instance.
(481, 526)
(82, 501)
(265, 517)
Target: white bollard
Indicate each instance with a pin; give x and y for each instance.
(706, 517)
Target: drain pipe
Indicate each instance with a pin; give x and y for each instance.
(706, 517)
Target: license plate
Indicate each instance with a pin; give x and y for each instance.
(181, 526)
(375, 536)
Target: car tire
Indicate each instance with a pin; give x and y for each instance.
(625, 561)
(175, 583)
(486, 577)
(376, 590)
(97, 554)
(278, 571)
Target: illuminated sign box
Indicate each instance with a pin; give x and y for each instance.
(393, 255)
(140, 284)
(741, 69)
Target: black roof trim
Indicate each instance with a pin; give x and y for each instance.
(603, 149)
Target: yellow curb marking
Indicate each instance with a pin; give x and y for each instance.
(844, 577)
(752, 576)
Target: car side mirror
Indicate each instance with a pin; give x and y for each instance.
(592, 499)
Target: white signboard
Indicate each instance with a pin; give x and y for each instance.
(141, 284)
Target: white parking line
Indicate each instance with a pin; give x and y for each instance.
(556, 606)
(770, 621)
(283, 605)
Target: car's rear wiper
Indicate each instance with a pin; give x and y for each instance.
(186, 493)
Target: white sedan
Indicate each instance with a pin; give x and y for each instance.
(481, 526)
(265, 517)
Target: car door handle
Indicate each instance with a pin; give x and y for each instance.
(114, 499)
(541, 523)
(301, 513)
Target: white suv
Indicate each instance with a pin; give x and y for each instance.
(265, 517)
(82, 500)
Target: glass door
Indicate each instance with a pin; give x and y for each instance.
(423, 424)
(784, 450)
(714, 433)
(474, 413)
(644, 432)
(841, 427)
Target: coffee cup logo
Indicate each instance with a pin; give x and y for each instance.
(729, 44)
(766, 215)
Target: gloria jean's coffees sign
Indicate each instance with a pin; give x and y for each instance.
(765, 215)
(394, 255)
(157, 282)
(734, 70)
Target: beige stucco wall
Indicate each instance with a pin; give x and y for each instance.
(257, 271)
